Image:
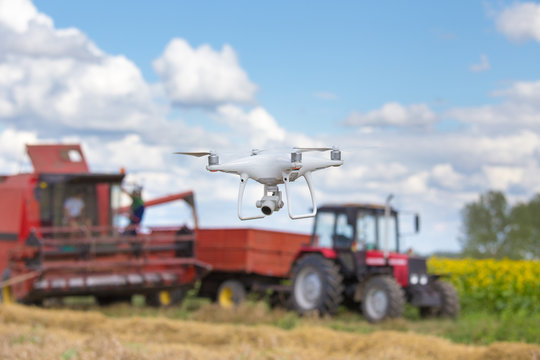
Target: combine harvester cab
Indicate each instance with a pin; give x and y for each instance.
(42, 255)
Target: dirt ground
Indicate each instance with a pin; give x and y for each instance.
(33, 333)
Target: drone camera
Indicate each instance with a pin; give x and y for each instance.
(271, 201)
(268, 207)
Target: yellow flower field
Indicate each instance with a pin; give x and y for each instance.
(497, 285)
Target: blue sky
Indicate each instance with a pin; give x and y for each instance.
(365, 53)
(435, 102)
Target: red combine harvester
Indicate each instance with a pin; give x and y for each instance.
(44, 255)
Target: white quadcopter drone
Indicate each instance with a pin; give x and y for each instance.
(272, 169)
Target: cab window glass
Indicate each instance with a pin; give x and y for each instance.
(324, 229)
(344, 232)
(392, 232)
(366, 232)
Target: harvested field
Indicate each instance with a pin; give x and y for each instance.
(33, 333)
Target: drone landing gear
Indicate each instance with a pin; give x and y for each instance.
(307, 176)
(243, 181)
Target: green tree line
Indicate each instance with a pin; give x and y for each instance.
(492, 228)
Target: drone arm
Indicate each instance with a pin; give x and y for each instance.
(243, 181)
(307, 176)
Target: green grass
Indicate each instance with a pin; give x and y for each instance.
(471, 327)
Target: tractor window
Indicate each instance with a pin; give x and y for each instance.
(392, 233)
(366, 232)
(344, 232)
(324, 229)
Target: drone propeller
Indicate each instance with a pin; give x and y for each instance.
(197, 154)
(307, 149)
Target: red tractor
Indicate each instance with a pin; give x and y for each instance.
(355, 259)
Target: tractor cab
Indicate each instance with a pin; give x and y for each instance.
(357, 227)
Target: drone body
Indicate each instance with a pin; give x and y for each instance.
(272, 169)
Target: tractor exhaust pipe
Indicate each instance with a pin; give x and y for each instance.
(387, 224)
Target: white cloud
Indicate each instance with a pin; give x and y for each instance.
(528, 91)
(502, 177)
(445, 176)
(59, 79)
(17, 15)
(519, 110)
(520, 21)
(394, 115)
(257, 125)
(12, 149)
(202, 76)
(483, 65)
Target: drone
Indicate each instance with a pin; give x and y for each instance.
(272, 169)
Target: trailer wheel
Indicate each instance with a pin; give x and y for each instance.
(449, 301)
(166, 298)
(231, 293)
(382, 298)
(317, 285)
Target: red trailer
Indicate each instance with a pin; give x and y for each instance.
(43, 255)
(245, 260)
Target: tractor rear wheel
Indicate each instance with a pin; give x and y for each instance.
(317, 285)
(449, 301)
(231, 293)
(166, 298)
(382, 298)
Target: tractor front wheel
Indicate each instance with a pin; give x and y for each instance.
(449, 301)
(382, 298)
(317, 285)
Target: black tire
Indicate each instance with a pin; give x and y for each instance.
(231, 293)
(317, 285)
(166, 298)
(382, 298)
(450, 306)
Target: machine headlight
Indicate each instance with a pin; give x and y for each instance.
(414, 279)
(423, 280)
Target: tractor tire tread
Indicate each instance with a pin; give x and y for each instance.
(332, 296)
(450, 299)
(396, 296)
